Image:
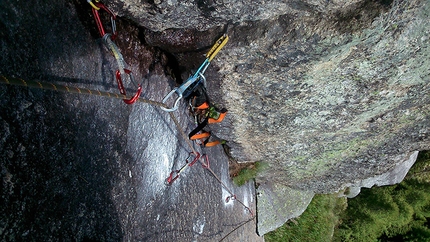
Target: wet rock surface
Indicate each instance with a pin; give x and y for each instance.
(88, 168)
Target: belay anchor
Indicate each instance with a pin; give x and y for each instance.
(184, 90)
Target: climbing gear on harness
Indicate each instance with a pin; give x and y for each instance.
(204, 113)
(175, 174)
(184, 90)
(108, 40)
(203, 136)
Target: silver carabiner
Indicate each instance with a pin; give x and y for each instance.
(187, 87)
(204, 79)
(176, 105)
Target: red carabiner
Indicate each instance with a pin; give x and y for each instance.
(207, 165)
(172, 178)
(119, 81)
(135, 97)
(195, 159)
(99, 22)
(122, 89)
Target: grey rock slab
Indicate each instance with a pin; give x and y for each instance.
(318, 100)
(278, 203)
(393, 176)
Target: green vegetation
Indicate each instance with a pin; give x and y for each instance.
(391, 213)
(315, 224)
(248, 173)
(398, 212)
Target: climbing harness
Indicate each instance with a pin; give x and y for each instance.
(204, 113)
(108, 39)
(184, 90)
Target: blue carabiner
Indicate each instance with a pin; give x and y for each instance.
(184, 90)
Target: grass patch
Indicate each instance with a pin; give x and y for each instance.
(248, 173)
(317, 223)
(399, 212)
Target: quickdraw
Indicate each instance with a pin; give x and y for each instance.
(108, 40)
(175, 174)
(184, 90)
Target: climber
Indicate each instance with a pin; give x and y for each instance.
(204, 113)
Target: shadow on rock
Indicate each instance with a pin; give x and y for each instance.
(58, 169)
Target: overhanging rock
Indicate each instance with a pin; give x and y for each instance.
(326, 102)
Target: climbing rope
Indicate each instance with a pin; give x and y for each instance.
(61, 88)
(237, 227)
(203, 159)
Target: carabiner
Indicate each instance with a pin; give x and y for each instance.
(183, 91)
(197, 154)
(176, 105)
(205, 165)
(135, 97)
(231, 197)
(102, 31)
(119, 81)
(122, 89)
(172, 177)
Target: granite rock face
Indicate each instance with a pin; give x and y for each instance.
(326, 106)
(314, 88)
(327, 93)
(203, 15)
(89, 168)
